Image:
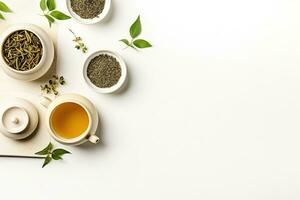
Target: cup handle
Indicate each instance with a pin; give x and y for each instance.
(45, 101)
(94, 139)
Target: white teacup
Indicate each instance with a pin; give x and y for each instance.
(90, 132)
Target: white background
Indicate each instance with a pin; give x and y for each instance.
(211, 111)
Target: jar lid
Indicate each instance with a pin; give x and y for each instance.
(15, 119)
(18, 118)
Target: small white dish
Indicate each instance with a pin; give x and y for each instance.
(95, 20)
(47, 57)
(19, 118)
(122, 79)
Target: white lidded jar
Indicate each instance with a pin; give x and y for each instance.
(18, 118)
(45, 62)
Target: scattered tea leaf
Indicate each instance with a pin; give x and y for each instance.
(4, 7)
(58, 153)
(50, 19)
(43, 5)
(136, 28)
(125, 41)
(51, 5)
(52, 85)
(79, 44)
(47, 161)
(1, 16)
(140, 43)
(59, 15)
(46, 150)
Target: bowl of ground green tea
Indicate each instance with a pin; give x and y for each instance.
(105, 71)
(88, 11)
(26, 52)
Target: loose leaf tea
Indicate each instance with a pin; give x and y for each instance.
(135, 30)
(53, 84)
(22, 50)
(104, 71)
(88, 9)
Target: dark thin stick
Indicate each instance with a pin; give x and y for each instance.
(16, 156)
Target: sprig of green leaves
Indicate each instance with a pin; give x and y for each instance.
(51, 154)
(135, 30)
(79, 43)
(4, 8)
(48, 8)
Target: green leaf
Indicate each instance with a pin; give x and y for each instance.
(4, 7)
(47, 161)
(46, 150)
(50, 19)
(59, 15)
(140, 43)
(1, 16)
(136, 28)
(125, 42)
(43, 5)
(57, 153)
(51, 5)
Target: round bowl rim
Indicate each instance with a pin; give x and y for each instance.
(120, 82)
(18, 27)
(95, 20)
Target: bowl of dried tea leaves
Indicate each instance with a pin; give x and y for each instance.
(88, 11)
(26, 52)
(105, 71)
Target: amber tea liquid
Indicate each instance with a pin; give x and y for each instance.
(69, 120)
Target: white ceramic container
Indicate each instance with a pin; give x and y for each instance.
(122, 79)
(89, 134)
(47, 57)
(95, 20)
(18, 118)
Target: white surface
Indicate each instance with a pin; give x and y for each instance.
(211, 111)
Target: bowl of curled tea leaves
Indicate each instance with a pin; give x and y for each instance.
(105, 71)
(88, 11)
(27, 52)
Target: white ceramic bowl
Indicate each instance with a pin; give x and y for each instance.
(47, 57)
(95, 20)
(122, 79)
